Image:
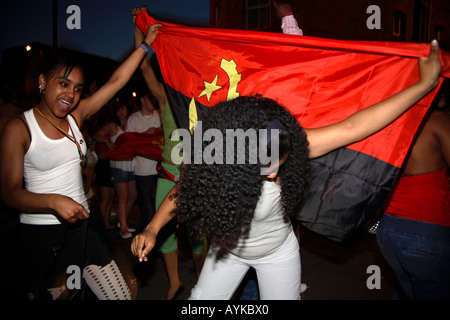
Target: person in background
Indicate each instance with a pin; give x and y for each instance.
(414, 232)
(168, 177)
(105, 187)
(284, 11)
(146, 120)
(121, 171)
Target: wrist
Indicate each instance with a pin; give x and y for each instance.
(150, 231)
(52, 200)
(147, 48)
(418, 91)
(427, 86)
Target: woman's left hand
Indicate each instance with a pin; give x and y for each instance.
(152, 33)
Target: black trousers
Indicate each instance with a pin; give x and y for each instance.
(48, 250)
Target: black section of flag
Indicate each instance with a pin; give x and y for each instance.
(348, 189)
(180, 107)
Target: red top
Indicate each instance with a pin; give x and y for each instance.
(422, 197)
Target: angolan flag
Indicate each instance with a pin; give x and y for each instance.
(320, 81)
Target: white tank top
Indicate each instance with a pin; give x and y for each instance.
(268, 230)
(52, 166)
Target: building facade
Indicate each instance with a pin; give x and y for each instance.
(373, 20)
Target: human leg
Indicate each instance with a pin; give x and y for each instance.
(122, 195)
(199, 260)
(419, 254)
(279, 274)
(126, 194)
(106, 198)
(42, 244)
(132, 196)
(106, 189)
(219, 278)
(386, 243)
(51, 249)
(100, 271)
(168, 245)
(106, 282)
(144, 185)
(198, 249)
(171, 264)
(251, 289)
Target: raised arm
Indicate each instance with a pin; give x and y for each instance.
(289, 24)
(365, 122)
(118, 79)
(155, 86)
(144, 242)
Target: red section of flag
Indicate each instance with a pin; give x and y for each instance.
(131, 144)
(321, 81)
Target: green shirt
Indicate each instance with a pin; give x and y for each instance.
(169, 125)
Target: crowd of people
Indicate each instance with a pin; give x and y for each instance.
(56, 174)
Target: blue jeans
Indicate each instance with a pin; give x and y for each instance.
(144, 187)
(251, 289)
(419, 254)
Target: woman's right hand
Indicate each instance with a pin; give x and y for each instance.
(142, 244)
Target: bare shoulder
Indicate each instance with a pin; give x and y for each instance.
(16, 129)
(15, 138)
(15, 126)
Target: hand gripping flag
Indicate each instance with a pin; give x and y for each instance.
(320, 81)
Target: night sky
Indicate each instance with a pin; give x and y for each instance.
(106, 26)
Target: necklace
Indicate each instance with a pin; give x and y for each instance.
(70, 137)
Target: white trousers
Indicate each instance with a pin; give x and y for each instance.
(279, 274)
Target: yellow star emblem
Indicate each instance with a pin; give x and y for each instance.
(210, 87)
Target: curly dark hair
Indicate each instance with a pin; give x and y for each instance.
(220, 199)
